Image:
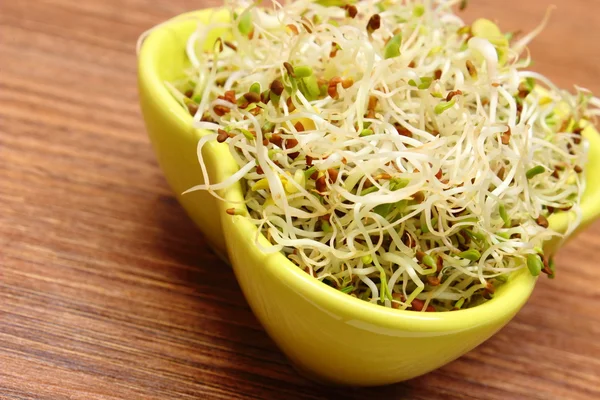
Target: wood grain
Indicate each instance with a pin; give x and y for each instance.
(107, 291)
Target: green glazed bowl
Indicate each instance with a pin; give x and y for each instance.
(326, 334)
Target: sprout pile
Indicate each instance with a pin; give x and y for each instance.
(388, 149)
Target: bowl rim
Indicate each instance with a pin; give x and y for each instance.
(509, 298)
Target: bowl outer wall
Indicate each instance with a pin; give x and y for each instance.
(334, 336)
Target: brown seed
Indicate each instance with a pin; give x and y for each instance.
(290, 70)
(402, 130)
(542, 221)
(372, 103)
(439, 264)
(471, 68)
(307, 25)
(299, 127)
(408, 240)
(374, 23)
(230, 45)
(411, 64)
(221, 110)
(418, 305)
(555, 173)
(229, 96)
(495, 84)
(189, 93)
(290, 104)
(192, 108)
(223, 136)
(433, 280)
(332, 87)
(505, 137)
(546, 268)
(326, 217)
(276, 139)
(259, 170)
(332, 174)
(276, 87)
(370, 114)
(309, 271)
(252, 97)
(251, 34)
(550, 209)
(438, 175)
(230, 211)
(309, 160)
(420, 255)
(314, 175)
(290, 144)
(333, 52)
(485, 102)
(437, 74)
(453, 93)
(219, 41)
(293, 28)
(346, 83)
(351, 10)
(500, 172)
(367, 184)
(466, 237)
(207, 118)
(397, 297)
(418, 197)
(320, 184)
(578, 169)
(523, 90)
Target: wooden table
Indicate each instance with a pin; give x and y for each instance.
(107, 291)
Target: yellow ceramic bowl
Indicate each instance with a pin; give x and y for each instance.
(326, 334)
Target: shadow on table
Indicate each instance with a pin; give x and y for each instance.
(247, 362)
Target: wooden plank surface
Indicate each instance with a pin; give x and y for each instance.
(107, 291)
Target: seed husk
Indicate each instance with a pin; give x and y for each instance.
(351, 10)
(374, 23)
(192, 108)
(289, 69)
(332, 174)
(433, 280)
(505, 137)
(223, 136)
(471, 69)
(252, 97)
(276, 87)
(293, 28)
(542, 221)
(320, 184)
(453, 93)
